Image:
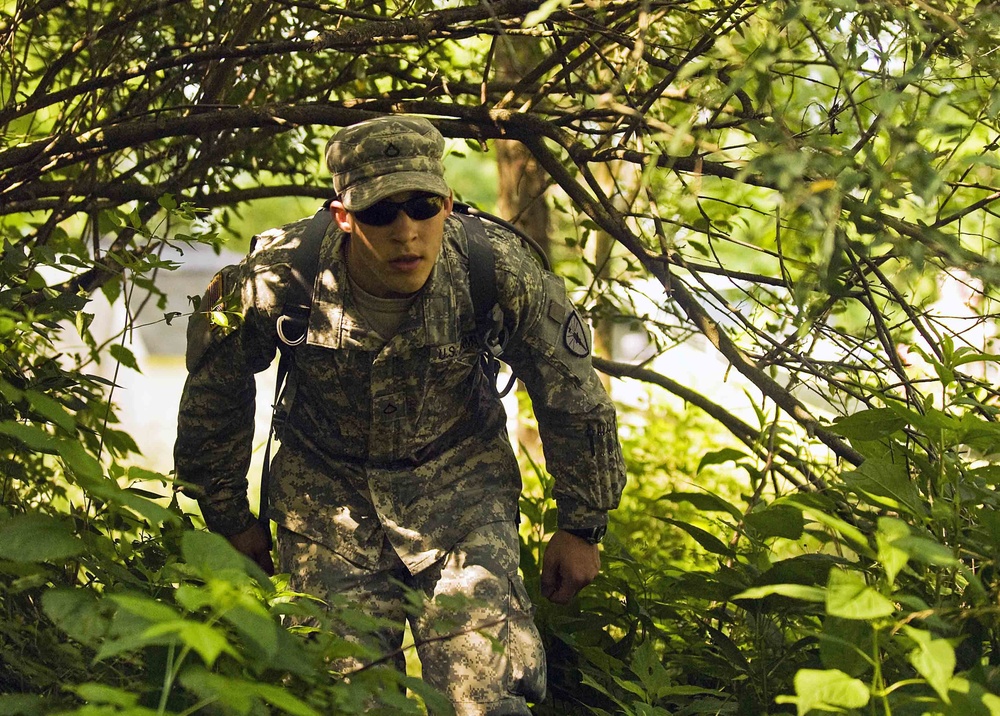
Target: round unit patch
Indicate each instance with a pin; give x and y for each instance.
(575, 336)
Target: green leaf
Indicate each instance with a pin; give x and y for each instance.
(934, 659)
(891, 557)
(77, 612)
(22, 705)
(284, 700)
(149, 609)
(776, 521)
(51, 410)
(124, 356)
(646, 665)
(857, 539)
(795, 591)
(887, 479)
(81, 463)
(240, 695)
(103, 694)
(718, 457)
(207, 641)
(542, 13)
(827, 689)
(704, 501)
(927, 551)
(867, 425)
(38, 538)
(707, 540)
(845, 644)
(210, 554)
(34, 437)
(848, 596)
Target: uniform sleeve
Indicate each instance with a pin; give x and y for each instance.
(216, 418)
(549, 351)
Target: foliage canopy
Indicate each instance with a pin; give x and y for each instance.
(798, 183)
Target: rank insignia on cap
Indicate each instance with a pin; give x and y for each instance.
(575, 336)
(213, 295)
(391, 150)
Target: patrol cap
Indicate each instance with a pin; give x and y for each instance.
(380, 157)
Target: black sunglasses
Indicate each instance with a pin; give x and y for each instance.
(384, 212)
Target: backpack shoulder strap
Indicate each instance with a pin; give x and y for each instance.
(292, 327)
(292, 324)
(482, 283)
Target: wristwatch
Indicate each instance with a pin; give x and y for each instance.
(592, 535)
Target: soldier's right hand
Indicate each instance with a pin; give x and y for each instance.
(253, 543)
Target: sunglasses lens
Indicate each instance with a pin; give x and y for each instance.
(384, 212)
(381, 213)
(423, 207)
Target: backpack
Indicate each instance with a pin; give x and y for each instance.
(491, 335)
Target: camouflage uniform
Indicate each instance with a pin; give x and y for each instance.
(394, 452)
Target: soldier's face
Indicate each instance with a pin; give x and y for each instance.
(395, 259)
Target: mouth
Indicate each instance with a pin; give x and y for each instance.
(407, 263)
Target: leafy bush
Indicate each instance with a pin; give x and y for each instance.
(875, 596)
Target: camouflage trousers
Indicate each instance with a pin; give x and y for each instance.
(472, 628)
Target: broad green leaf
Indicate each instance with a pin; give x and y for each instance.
(646, 664)
(22, 705)
(51, 410)
(154, 513)
(80, 462)
(145, 607)
(704, 501)
(990, 474)
(967, 698)
(103, 694)
(241, 695)
(38, 538)
(849, 597)
(887, 479)
(826, 688)
(259, 628)
(927, 551)
(869, 424)
(284, 700)
(846, 644)
(891, 557)
(934, 659)
(707, 540)
(542, 13)
(719, 457)
(207, 641)
(124, 356)
(77, 612)
(851, 533)
(213, 556)
(33, 437)
(794, 591)
(777, 521)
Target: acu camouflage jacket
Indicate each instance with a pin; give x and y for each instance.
(405, 439)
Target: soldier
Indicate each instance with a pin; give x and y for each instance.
(395, 467)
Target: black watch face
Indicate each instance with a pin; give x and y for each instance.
(593, 535)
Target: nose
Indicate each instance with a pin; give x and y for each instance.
(404, 229)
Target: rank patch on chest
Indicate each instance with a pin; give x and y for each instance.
(575, 336)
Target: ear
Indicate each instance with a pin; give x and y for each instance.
(449, 203)
(341, 216)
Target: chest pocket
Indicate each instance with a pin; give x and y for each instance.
(449, 365)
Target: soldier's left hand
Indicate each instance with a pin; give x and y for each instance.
(569, 565)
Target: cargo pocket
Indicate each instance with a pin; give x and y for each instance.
(525, 656)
